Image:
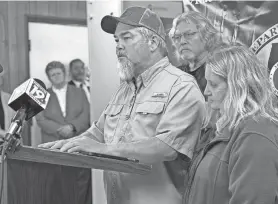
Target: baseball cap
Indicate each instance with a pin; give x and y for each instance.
(135, 16)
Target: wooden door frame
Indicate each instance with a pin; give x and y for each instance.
(49, 20)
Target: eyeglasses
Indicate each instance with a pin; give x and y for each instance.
(185, 35)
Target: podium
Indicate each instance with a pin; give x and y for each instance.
(39, 176)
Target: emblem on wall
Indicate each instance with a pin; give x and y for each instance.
(273, 77)
(266, 48)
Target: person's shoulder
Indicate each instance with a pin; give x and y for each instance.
(50, 91)
(259, 125)
(178, 73)
(181, 77)
(77, 93)
(120, 92)
(71, 83)
(74, 89)
(5, 94)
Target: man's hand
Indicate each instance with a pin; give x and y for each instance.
(66, 131)
(53, 145)
(81, 144)
(56, 144)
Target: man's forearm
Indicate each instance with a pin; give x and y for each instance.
(147, 151)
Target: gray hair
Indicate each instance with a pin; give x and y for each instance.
(208, 32)
(148, 35)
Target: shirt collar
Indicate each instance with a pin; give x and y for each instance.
(147, 76)
(78, 83)
(60, 90)
(200, 62)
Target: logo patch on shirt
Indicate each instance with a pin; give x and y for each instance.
(159, 95)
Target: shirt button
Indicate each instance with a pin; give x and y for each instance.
(127, 117)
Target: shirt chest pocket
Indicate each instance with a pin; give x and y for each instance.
(148, 114)
(112, 115)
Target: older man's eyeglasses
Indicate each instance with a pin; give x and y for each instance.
(186, 35)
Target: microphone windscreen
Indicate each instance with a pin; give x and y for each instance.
(31, 94)
(40, 83)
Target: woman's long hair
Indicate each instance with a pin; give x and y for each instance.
(249, 91)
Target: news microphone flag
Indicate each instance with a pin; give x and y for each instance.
(32, 94)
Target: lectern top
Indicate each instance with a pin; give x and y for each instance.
(78, 160)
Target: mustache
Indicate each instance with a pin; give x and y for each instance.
(121, 54)
(183, 48)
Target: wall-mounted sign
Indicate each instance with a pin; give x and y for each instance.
(273, 77)
(165, 9)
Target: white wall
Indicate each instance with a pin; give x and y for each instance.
(51, 42)
(104, 77)
(54, 42)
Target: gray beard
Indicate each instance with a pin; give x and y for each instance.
(125, 70)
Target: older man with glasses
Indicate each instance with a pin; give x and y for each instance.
(193, 37)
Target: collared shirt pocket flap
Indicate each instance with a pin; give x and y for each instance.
(150, 107)
(113, 109)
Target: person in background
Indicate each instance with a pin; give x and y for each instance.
(194, 37)
(87, 75)
(78, 76)
(239, 163)
(67, 112)
(6, 113)
(67, 115)
(155, 116)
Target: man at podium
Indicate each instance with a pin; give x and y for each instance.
(155, 116)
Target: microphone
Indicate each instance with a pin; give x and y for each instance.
(28, 100)
(31, 96)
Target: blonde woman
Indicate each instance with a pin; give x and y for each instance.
(239, 163)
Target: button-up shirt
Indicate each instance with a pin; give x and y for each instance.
(61, 95)
(166, 103)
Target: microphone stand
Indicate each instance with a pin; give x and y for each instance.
(11, 141)
(13, 136)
